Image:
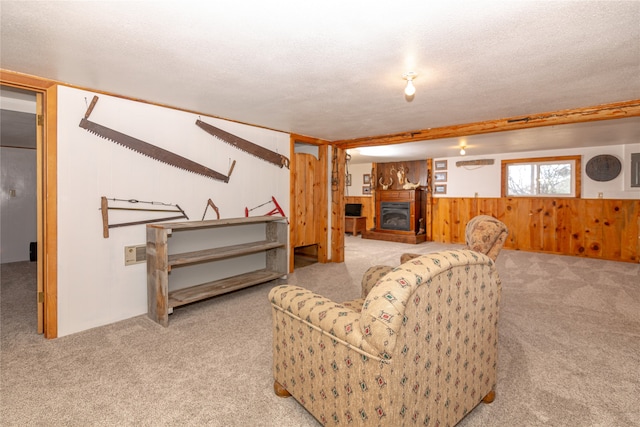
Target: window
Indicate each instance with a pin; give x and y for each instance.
(541, 177)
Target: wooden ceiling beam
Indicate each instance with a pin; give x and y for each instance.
(616, 110)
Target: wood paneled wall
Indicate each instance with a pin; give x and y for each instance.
(415, 171)
(593, 228)
(368, 208)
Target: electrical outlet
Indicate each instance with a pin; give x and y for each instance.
(135, 254)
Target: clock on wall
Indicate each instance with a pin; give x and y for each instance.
(603, 167)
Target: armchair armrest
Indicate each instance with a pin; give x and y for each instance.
(329, 317)
(377, 272)
(371, 277)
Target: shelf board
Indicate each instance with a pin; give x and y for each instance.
(193, 225)
(221, 253)
(218, 287)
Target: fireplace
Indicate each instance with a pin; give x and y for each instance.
(395, 216)
(398, 216)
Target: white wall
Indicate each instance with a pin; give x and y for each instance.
(17, 203)
(466, 181)
(94, 285)
(357, 171)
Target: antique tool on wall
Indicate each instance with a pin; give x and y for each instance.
(213, 206)
(275, 210)
(244, 145)
(104, 207)
(149, 150)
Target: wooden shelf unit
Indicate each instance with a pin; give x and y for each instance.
(161, 301)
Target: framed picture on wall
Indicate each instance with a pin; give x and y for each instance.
(349, 180)
(366, 179)
(366, 189)
(440, 177)
(440, 165)
(440, 189)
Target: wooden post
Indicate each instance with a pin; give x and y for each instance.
(104, 206)
(157, 275)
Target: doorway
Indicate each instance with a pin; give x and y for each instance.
(308, 239)
(19, 89)
(20, 147)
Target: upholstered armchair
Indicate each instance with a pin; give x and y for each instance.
(421, 347)
(483, 233)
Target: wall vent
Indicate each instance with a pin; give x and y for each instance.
(135, 254)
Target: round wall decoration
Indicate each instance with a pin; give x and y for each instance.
(604, 167)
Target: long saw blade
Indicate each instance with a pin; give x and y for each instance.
(244, 145)
(152, 151)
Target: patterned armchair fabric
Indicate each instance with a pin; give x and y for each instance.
(486, 234)
(421, 348)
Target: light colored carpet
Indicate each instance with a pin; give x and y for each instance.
(569, 351)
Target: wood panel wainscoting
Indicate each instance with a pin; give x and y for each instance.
(594, 228)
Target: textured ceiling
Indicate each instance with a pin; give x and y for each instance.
(333, 69)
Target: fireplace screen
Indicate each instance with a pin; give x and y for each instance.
(395, 216)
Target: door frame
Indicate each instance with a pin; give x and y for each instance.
(46, 195)
(322, 222)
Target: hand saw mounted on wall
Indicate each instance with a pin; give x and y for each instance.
(244, 145)
(150, 150)
(104, 207)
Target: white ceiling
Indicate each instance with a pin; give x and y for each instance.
(333, 69)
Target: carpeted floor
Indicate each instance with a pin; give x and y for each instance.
(569, 351)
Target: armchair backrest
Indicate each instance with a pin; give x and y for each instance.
(447, 280)
(486, 234)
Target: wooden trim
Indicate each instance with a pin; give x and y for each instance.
(577, 177)
(47, 194)
(25, 81)
(338, 165)
(40, 105)
(50, 175)
(292, 198)
(309, 140)
(616, 110)
(428, 208)
(323, 203)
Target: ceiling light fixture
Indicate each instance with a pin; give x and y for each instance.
(410, 89)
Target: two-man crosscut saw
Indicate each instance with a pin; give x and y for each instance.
(244, 145)
(104, 207)
(150, 150)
